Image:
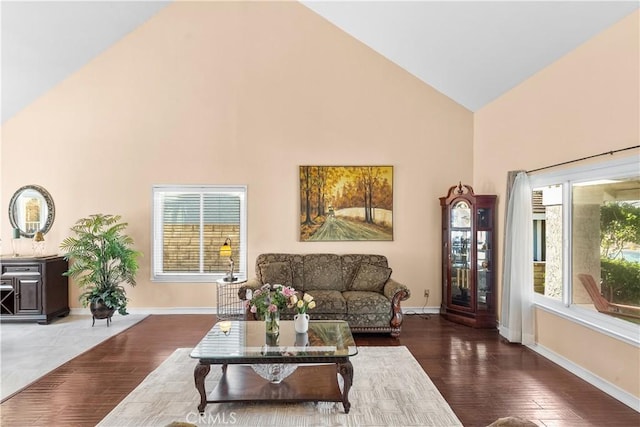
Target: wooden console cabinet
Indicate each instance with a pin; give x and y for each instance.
(33, 289)
(468, 257)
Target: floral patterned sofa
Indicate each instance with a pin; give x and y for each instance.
(354, 287)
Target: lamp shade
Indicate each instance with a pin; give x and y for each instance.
(225, 250)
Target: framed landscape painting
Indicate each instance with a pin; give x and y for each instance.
(346, 203)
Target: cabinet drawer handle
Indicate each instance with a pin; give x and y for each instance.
(19, 269)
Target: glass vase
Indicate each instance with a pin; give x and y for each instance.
(272, 322)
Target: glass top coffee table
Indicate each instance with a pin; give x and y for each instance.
(289, 367)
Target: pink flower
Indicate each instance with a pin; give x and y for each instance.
(273, 308)
(288, 291)
(253, 309)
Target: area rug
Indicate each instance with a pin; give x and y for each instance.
(389, 389)
(29, 350)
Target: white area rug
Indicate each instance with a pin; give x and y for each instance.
(389, 389)
(29, 350)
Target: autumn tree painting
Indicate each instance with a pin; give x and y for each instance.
(346, 203)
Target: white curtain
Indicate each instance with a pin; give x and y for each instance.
(516, 319)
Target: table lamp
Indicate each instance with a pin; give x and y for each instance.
(225, 251)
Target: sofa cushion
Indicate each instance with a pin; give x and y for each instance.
(327, 302)
(367, 302)
(370, 278)
(323, 271)
(351, 263)
(276, 272)
(370, 320)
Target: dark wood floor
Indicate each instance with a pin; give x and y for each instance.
(481, 376)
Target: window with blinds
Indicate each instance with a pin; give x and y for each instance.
(190, 223)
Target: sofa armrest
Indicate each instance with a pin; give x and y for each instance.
(396, 292)
(391, 288)
(252, 284)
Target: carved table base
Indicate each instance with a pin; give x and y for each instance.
(309, 383)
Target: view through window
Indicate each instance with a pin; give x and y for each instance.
(589, 227)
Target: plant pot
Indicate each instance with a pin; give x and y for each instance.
(101, 311)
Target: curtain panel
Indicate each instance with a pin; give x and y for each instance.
(516, 316)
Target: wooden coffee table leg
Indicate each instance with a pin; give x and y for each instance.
(199, 374)
(346, 370)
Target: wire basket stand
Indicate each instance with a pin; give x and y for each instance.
(230, 306)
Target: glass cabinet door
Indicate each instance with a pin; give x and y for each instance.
(460, 267)
(460, 256)
(483, 268)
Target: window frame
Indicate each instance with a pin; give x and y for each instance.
(608, 325)
(157, 275)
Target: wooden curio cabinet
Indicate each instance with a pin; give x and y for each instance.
(468, 257)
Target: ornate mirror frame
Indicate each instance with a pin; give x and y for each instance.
(18, 203)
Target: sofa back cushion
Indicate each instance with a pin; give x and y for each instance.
(351, 263)
(271, 272)
(323, 271)
(370, 278)
(276, 272)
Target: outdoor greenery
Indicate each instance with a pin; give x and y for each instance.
(619, 230)
(619, 226)
(101, 260)
(621, 281)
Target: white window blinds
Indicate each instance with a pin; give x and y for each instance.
(190, 223)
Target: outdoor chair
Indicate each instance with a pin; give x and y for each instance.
(602, 304)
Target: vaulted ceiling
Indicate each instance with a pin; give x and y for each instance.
(472, 51)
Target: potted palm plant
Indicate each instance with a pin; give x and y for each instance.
(102, 260)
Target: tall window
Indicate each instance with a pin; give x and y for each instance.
(190, 223)
(587, 221)
(606, 241)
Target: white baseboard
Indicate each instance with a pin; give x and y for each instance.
(212, 310)
(407, 311)
(611, 389)
(156, 310)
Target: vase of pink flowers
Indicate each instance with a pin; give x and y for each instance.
(267, 302)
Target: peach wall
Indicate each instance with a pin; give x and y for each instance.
(240, 93)
(615, 361)
(585, 103)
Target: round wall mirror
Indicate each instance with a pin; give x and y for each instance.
(31, 210)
